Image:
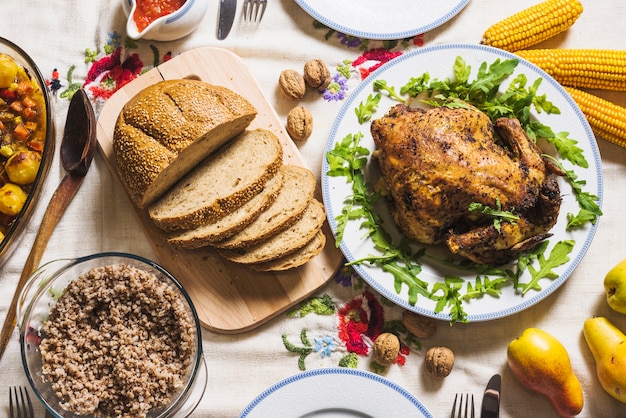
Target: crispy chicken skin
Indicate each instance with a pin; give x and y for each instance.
(436, 162)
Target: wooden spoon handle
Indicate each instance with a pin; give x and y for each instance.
(60, 200)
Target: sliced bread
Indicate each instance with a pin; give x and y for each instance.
(295, 195)
(220, 184)
(283, 242)
(168, 128)
(295, 259)
(233, 222)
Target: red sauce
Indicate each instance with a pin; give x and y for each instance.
(147, 11)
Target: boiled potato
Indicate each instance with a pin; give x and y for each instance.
(8, 70)
(12, 199)
(22, 167)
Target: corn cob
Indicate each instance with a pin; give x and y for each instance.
(607, 120)
(588, 68)
(533, 25)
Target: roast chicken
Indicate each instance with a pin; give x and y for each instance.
(436, 162)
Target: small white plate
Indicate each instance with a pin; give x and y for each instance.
(335, 393)
(438, 62)
(374, 19)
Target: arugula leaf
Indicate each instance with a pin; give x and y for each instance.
(365, 110)
(588, 203)
(381, 85)
(497, 214)
(558, 256)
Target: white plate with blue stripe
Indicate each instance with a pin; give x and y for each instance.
(391, 19)
(438, 61)
(335, 392)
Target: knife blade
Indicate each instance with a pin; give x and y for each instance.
(228, 8)
(490, 407)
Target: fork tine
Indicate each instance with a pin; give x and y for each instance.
(262, 6)
(23, 406)
(461, 411)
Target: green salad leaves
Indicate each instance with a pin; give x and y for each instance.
(403, 260)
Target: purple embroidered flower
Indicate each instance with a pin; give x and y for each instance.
(345, 275)
(325, 346)
(115, 40)
(349, 41)
(337, 88)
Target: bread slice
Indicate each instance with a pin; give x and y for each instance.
(298, 189)
(295, 259)
(168, 128)
(233, 222)
(284, 242)
(221, 183)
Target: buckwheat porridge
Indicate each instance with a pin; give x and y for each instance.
(118, 343)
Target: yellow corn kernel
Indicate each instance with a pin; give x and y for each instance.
(607, 120)
(533, 25)
(587, 68)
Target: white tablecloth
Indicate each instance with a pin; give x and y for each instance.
(59, 36)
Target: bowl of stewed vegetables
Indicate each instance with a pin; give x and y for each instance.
(26, 141)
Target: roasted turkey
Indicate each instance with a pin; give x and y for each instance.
(435, 162)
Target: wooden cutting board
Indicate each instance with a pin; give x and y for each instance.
(229, 298)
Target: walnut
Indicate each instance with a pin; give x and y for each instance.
(292, 84)
(299, 123)
(316, 74)
(439, 362)
(419, 325)
(386, 349)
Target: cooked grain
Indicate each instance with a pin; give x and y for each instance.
(118, 343)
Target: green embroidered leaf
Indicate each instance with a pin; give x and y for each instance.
(350, 361)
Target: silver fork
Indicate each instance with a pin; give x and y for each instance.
(253, 10)
(20, 405)
(465, 409)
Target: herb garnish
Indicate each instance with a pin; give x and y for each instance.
(498, 215)
(402, 260)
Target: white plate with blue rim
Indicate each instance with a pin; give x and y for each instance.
(372, 19)
(438, 61)
(335, 392)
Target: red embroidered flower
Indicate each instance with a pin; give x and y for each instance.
(113, 73)
(378, 55)
(359, 317)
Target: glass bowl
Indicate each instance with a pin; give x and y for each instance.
(16, 224)
(41, 293)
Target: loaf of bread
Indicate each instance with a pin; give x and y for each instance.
(221, 183)
(168, 128)
(294, 197)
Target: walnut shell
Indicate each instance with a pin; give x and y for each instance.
(316, 74)
(299, 123)
(419, 325)
(292, 84)
(386, 348)
(439, 362)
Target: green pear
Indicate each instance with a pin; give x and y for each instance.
(615, 287)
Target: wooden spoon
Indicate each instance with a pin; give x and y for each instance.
(77, 150)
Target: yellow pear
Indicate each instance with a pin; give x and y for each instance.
(542, 364)
(608, 346)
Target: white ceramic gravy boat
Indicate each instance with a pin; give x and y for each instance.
(169, 27)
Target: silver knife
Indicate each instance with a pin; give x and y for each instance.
(490, 407)
(226, 17)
